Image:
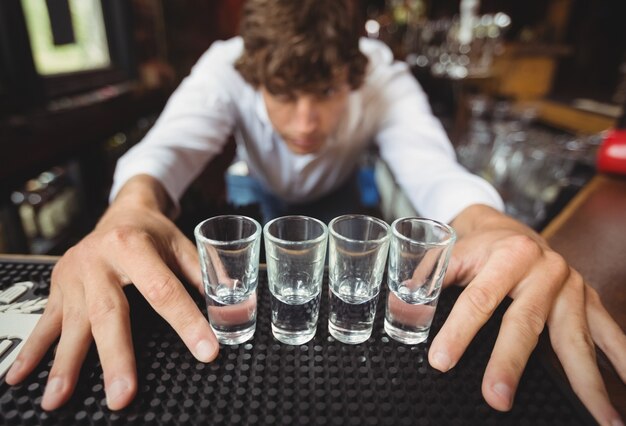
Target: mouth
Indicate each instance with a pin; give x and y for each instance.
(304, 145)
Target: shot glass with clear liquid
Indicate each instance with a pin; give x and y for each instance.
(357, 254)
(295, 248)
(229, 256)
(418, 258)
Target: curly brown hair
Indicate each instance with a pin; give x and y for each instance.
(299, 45)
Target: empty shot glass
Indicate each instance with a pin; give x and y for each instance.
(357, 253)
(418, 258)
(295, 248)
(229, 256)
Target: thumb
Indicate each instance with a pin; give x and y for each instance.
(463, 264)
(453, 273)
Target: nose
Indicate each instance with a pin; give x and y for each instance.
(307, 115)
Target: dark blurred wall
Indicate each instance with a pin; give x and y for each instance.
(192, 25)
(597, 34)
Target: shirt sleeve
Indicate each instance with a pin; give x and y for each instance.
(192, 129)
(416, 148)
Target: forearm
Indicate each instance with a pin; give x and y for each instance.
(141, 191)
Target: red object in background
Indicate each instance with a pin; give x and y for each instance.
(612, 153)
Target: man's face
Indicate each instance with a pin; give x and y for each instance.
(305, 120)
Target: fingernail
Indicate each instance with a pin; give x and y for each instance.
(52, 395)
(504, 391)
(442, 361)
(13, 372)
(115, 391)
(617, 422)
(205, 350)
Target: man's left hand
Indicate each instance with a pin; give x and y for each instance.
(496, 256)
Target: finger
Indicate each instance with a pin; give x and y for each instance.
(471, 311)
(108, 311)
(217, 270)
(168, 297)
(44, 334)
(189, 262)
(519, 333)
(70, 354)
(573, 345)
(606, 332)
(465, 263)
(407, 313)
(453, 273)
(232, 315)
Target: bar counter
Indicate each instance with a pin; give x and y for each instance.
(591, 234)
(324, 382)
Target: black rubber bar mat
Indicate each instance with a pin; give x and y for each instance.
(262, 381)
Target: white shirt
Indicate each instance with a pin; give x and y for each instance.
(390, 109)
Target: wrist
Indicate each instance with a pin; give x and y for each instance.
(480, 216)
(144, 191)
(142, 195)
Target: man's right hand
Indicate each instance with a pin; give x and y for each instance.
(136, 243)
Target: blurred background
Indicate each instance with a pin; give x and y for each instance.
(525, 90)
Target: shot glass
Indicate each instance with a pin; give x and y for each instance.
(357, 252)
(418, 258)
(229, 256)
(295, 248)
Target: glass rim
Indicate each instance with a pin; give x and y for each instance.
(443, 243)
(255, 235)
(368, 218)
(274, 239)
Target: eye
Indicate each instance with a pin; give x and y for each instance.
(329, 92)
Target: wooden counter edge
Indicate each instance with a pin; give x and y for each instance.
(559, 221)
(28, 258)
(549, 231)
